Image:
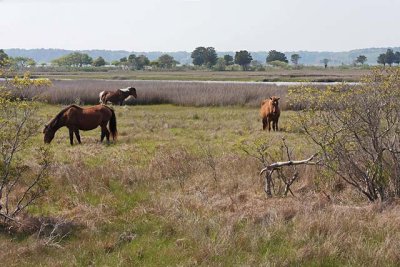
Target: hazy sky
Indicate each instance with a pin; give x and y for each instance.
(182, 25)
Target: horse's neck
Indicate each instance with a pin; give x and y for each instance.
(59, 123)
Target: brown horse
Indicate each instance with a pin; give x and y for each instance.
(118, 96)
(76, 118)
(270, 112)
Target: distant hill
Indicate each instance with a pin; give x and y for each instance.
(307, 57)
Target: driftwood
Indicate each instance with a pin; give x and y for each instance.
(269, 170)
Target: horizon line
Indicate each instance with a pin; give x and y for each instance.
(221, 51)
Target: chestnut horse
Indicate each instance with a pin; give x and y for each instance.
(118, 96)
(76, 118)
(270, 112)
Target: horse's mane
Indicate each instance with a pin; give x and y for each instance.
(127, 89)
(54, 121)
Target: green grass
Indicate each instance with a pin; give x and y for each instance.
(271, 74)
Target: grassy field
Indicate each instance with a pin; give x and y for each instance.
(271, 74)
(177, 188)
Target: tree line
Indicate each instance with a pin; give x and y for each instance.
(132, 61)
(16, 62)
(204, 57)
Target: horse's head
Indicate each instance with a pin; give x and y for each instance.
(132, 92)
(48, 133)
(275, 103)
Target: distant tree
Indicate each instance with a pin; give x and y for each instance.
(274, 55)
(141, 61)
(211, 57)
(31, 62)
(382, 59)
(397, 58)
(115, 62)
(81, 59)
(199, 56)
(3, 57)
(23, 62)
(123, 59)
(279, 64)
(256, 64)
(390, 57)
(204, 56)
(325, 61)
(361, 59)
(295, 59)
(229, 60)
(155, 63)
(131, 61)
(166, 61)
(221, 64)
(74, 59)
(243, 58)
(98, 62)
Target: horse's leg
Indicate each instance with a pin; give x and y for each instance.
(276, 123)
(78, 137)
(103, 133)
(265, 122)
(269, 124)
(107, 132)
(71, 136)
(120, 102)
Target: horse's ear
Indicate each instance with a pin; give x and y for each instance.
(270, 98)
(278, 98)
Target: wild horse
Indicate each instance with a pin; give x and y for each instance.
(270, 112)
(76, 118)
(118, 96)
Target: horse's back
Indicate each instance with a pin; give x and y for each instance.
(88, 118)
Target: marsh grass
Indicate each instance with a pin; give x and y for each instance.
(164, 92)
(177, 189)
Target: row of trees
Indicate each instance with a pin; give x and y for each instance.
(389, 58)
(207, 56)
(133, 62)
(140, 62)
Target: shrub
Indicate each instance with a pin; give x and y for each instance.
(279, 64)
(20, 184)
(356, 129)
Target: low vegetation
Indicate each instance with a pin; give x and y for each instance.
(270, 74)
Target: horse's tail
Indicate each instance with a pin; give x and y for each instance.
(112, 125)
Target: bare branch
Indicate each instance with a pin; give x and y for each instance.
(276, 165)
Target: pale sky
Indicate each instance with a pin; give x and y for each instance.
(182, 25)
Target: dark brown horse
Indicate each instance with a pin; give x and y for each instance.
(76, 118)
(270, 112)
(118, 96)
